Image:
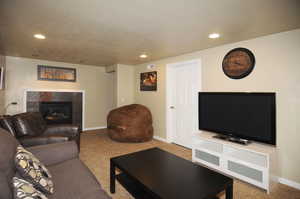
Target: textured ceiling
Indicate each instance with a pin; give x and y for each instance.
(104, 32)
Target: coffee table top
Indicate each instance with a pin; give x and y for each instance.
(169, 176)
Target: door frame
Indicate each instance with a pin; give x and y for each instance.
(169, 78)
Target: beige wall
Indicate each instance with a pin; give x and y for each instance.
(154, 100)
(277, 70)
(123, 84)
(22, 74)
(126, 79)
(113, 70)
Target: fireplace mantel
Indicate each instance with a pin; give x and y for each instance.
(33, 98)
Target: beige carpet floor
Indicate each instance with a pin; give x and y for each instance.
(97, 149)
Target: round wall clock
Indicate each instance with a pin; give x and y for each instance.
(238, 63)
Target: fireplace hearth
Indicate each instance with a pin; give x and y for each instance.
(56, 112)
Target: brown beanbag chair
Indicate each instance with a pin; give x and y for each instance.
(131, 123)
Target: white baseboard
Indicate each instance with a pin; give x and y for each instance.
(95, 128)
(160, 139)
(290, 183)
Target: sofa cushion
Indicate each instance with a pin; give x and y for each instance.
(51, 154)
(73, 180)
(69, 130)
(31, 169)
(25, 190)
(8, 145)
(29, 123)
(28, 141)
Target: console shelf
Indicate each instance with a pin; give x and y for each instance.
(254, 163)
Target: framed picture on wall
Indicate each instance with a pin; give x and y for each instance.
(53, 73)
(148, 81)
(2, 78)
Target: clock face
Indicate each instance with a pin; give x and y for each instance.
(238, 63)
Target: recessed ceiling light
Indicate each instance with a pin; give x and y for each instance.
(214, 35)
(39, 36)
(143, 55)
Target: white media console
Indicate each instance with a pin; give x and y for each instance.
(254, 163)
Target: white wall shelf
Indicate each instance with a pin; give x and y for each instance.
(254, 163)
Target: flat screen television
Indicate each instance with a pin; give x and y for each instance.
(250, 116)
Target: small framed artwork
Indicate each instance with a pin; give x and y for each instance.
(53, 73)
(148, 81)
(2, 78)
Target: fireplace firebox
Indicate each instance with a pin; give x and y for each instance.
(56, 112)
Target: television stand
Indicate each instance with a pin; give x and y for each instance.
(233, 139)
(254, 163)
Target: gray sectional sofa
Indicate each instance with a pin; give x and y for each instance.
(72, 179)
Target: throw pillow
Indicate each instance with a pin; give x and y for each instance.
(25, 190)
(31, 169)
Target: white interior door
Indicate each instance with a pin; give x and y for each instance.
(182, 101)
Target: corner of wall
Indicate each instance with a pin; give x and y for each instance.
(2, 92)
(123, 85)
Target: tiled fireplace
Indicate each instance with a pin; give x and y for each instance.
(57, 107)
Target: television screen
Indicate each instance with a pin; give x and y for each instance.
(249, 116)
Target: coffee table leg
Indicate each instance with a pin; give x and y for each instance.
(112, 177)
(229, 192)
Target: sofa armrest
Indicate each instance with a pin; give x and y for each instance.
(55, 153)
(28, 141)
(63, 130)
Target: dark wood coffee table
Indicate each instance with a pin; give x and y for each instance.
(155, 173)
